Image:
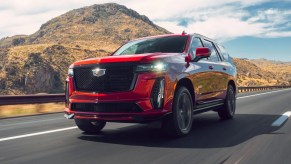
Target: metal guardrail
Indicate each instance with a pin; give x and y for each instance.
(31, 99)
(261, 88)
(49, 98)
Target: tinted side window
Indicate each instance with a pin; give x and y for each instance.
(214, 56)
(196, 42)
(223, 52)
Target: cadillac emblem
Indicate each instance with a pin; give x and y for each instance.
(98, 72)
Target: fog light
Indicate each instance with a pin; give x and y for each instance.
(157, 95)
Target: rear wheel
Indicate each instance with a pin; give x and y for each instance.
(179, 123)
(90, 126)
(228, 109)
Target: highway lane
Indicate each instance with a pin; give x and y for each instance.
(249, 138)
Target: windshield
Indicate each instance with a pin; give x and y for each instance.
(168, 44)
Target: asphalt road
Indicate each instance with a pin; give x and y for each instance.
(258, 134)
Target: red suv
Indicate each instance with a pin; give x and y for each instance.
(166, 78)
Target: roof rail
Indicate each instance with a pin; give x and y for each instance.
(203, 36)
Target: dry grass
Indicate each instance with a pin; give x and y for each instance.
(262, 72)
(282, 70)
(30, 109)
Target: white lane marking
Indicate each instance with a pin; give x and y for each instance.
(37, 133)
(262, 93)
(30, 122)
(282, 119)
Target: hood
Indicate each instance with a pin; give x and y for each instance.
(142, 58)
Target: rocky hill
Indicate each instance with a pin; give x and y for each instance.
(103, 27)
(262, 72)
(39, 62)
(12, 41)
(282, 70)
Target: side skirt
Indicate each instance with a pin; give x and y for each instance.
(207, 106)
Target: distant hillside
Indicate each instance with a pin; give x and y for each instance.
(262, 72)
(12, 41)
(39, 62)
(282, 70)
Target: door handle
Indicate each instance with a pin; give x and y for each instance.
(211, 67)
(224, 68)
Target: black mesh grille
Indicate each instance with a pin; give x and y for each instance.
(106, 107)
(118, 77)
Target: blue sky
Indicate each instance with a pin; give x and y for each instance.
(254, 48)
(247, 28)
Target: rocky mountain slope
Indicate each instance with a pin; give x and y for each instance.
(282, 70)
(262, 72)
(39, 62)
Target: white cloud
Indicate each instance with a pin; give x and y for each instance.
(231, 21)
(223, 19)
(220, 28)
(276, 34)
(169, 8)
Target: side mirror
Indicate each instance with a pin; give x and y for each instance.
(202, 52)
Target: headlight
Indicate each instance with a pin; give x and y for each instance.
(70, 72)
(156, 67)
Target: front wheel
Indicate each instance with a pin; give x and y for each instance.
(179, 123)
(90, 126)
(228, 109)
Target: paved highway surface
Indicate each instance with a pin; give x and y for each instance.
(259, 133)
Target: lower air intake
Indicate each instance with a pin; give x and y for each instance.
(106, 107)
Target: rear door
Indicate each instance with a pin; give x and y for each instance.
(227, 67)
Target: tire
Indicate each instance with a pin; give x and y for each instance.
(228, 109)
(179, 123)
(90, 126)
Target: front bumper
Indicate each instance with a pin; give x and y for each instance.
(147, 116)
(140, 95)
